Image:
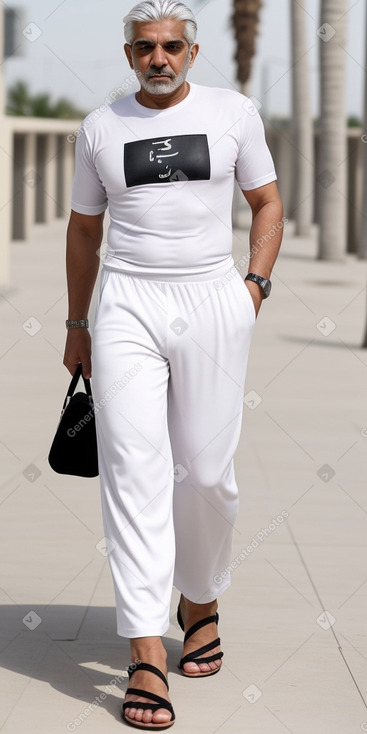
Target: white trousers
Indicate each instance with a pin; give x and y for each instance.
(169, 359)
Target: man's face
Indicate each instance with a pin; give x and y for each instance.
(160, 55)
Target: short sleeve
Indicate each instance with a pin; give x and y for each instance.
(88, 194)
(255, 166)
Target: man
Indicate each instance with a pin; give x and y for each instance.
(171, 337)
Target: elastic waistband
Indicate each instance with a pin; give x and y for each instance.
(213, 274)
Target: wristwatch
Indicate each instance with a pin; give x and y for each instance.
(80, 324)
(264, 284)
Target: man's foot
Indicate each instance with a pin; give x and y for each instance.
(148, 650)
(191, 614)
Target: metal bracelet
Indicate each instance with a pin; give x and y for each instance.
(81, 324)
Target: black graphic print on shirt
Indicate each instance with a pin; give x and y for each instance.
(162, 160)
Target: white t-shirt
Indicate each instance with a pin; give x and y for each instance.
(168, 176)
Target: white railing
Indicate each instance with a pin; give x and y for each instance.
(37, 167)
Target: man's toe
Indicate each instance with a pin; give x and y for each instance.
(191, 668)
(161, 716)
(147, 716)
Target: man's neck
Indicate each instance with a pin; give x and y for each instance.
(162, 101)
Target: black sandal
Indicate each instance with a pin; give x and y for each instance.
(159, 703)
(192, 656)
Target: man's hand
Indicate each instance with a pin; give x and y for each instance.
(265, 236)
(255, 293)
(78, 349)
(84, 238)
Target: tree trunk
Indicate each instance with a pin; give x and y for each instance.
(363, 243)
(2, 81)
(363, 247)
(332, 169)
(245, 20)
(303, 161)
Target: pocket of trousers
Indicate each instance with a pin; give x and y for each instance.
(100, 286)
(248, 297)
(103, 276)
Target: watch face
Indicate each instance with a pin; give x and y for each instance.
(264, 284)
(266, 287)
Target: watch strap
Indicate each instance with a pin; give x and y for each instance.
(264, 283)
(79, 324)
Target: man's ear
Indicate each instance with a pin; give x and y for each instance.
(193, 53)
(127, 49)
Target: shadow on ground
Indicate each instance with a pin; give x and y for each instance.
(75, 650)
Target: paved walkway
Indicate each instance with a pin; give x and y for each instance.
(293, 624)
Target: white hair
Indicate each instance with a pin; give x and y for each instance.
(149, 11)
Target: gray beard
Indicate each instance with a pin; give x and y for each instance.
(165, 87)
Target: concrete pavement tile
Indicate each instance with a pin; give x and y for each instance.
(325, 516)
(55, 532)
(333, 569)
(298, 685)
(65, 680)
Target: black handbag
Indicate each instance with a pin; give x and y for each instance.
(74, 448)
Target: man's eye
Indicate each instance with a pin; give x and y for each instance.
(169, 47)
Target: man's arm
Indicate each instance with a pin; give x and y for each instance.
(84, 237)
(265, 235)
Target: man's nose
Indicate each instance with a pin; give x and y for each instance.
(159, 57)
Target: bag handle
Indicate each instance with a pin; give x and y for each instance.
(74, 381)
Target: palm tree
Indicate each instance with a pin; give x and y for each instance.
(363, 248)
(1, 59)
(303, 162)
(19, 101)
(245, 20)
(332, 170)
(363, 245)
(22, 103)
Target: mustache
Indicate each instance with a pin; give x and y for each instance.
(159, 72)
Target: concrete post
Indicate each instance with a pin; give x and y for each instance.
(46, 168)
(50, 178)
(65, 174)
(31, 180)
(355, 190)
(6, 178)
(6, 199)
